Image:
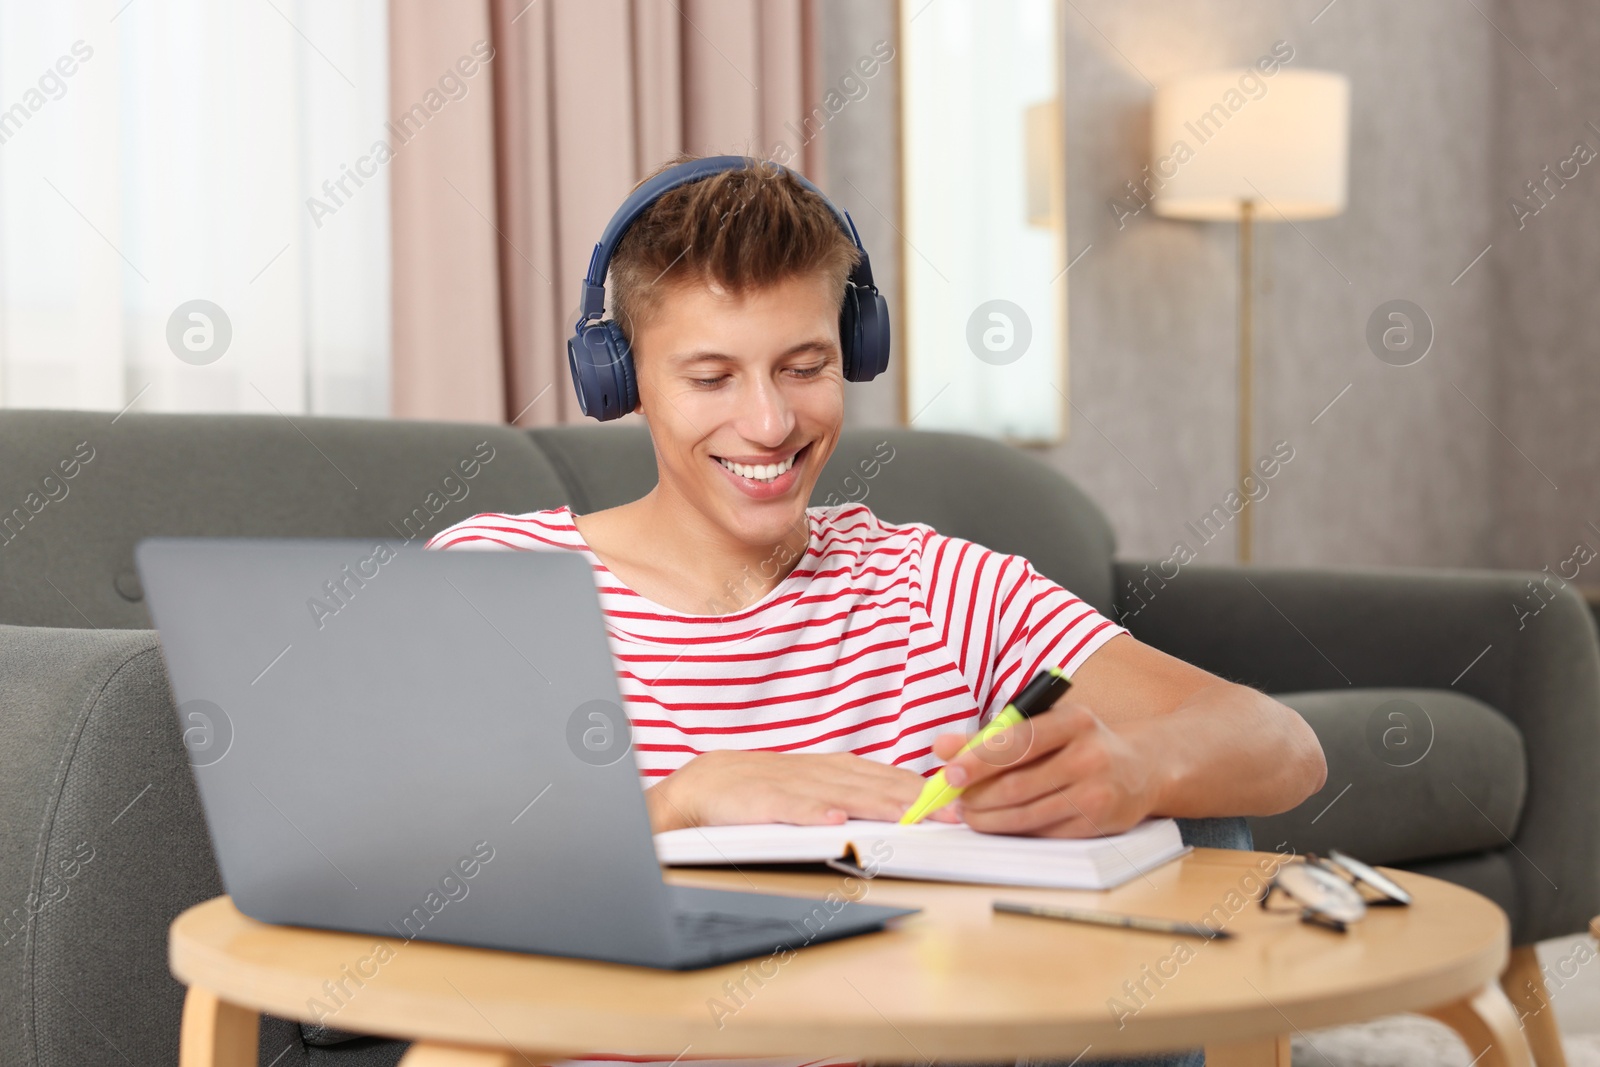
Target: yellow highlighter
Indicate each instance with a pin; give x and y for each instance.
(1036, 696)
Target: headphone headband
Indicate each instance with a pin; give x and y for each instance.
(651, 190)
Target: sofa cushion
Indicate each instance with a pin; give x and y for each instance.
(79, 489)
(1413, 774)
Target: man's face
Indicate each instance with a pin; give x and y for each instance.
(745, 399)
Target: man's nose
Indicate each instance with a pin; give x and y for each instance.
(765, 416)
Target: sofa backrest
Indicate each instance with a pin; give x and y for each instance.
(79, 489)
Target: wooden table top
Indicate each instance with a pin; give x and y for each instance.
(956, 981)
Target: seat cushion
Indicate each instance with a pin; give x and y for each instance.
(1413, 774)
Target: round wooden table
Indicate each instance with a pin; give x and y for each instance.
(956, 982)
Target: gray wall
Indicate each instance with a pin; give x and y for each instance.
(1547, 326)
(1413, 465)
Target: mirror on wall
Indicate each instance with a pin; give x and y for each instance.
(984, 219)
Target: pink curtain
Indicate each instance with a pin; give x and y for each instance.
(499, 197)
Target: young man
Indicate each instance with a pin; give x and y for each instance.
(780, 663)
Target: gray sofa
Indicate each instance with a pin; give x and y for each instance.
(1484, 778)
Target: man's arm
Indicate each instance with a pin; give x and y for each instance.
(1139, 733)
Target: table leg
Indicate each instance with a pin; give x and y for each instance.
(430, 1054)
(1263, 1052)
(216, 1033)
(1488, 1024)
(1523, 982)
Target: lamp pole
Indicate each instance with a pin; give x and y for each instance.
(1295, 141)
(1246, 371)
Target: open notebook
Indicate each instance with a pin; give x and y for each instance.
(934, 851)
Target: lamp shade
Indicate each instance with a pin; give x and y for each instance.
(1282, 140)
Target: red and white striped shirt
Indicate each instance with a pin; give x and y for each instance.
(882, 637)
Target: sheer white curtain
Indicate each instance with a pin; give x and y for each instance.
(159, 153)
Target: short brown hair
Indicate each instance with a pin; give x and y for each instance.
(740, 230)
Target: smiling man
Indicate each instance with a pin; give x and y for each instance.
(857, 654)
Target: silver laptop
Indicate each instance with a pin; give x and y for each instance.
(431, 745)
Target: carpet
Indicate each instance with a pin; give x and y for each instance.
(1409, 1041)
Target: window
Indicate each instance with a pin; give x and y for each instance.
(160, 249)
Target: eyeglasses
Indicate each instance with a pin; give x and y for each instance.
(1328, 890)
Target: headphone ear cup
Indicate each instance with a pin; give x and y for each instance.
(875, 338)
(865, 315)
(622, 360)
(850, 333)
(582, 373)
(602, 371)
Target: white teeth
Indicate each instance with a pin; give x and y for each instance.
(761, 472)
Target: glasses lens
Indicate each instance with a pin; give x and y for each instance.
(1367, 875)
(1322, 891)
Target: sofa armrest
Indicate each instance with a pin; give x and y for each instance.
(104, 844)
(1533, 658)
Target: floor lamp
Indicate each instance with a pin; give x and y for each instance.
(1247, 145)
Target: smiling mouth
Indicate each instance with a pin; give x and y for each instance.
(764, 472)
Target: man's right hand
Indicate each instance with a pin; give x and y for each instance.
(805, 788)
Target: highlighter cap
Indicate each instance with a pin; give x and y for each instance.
(1045, 689)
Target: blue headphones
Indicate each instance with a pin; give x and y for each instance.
(598, 353)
